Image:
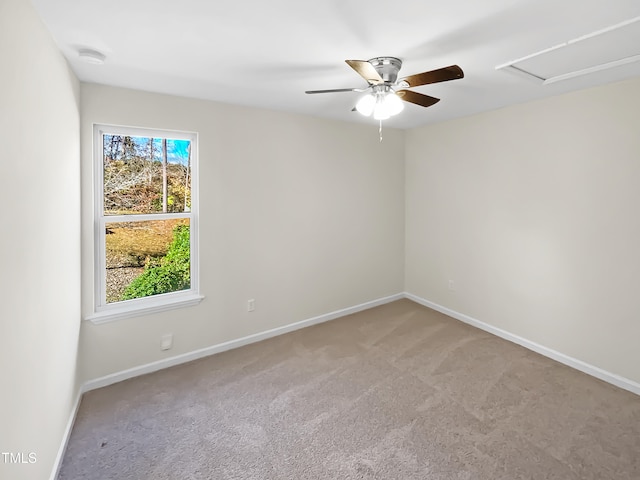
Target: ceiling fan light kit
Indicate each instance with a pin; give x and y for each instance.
(386, 92)
(382, 103)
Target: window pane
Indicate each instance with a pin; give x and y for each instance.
(146, 175)
(146, 258)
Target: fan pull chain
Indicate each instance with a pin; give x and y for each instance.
(380, 131)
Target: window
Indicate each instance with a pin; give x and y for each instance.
(146, 220)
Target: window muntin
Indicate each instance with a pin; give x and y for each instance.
(146, 218)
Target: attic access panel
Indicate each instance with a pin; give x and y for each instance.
(600, 50)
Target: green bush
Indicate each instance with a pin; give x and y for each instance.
(170, 274)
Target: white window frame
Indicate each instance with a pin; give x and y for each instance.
(103, 311)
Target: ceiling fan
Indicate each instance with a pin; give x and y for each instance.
(386, 91)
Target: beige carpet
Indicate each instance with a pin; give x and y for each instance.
(396, 392)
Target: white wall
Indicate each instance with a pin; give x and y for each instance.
(533, 211)
(305, 215)
(40, 241)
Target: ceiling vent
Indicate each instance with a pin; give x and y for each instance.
(600, 50)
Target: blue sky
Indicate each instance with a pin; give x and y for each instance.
(177, 150)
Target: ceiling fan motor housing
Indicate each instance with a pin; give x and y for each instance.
(387, 68)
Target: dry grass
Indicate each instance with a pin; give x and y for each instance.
(129, 245)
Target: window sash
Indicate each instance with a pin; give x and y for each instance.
(154, 302)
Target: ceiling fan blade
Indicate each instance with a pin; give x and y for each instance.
(366, 71)
(452, 72)
(417, 98)
(334, 90)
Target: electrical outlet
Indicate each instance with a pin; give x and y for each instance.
(166, 341)
(452, 285)
(251, 305)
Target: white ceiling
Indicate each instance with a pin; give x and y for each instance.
(267, 53)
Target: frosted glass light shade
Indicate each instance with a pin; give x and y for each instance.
(365, 105)
(394, 104)
(382, 104)
(381, 112)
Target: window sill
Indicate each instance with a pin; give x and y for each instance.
(118, 312)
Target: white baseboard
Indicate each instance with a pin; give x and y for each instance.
(67, 434)
(608, 377)
(584, 367)
(221, 347)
